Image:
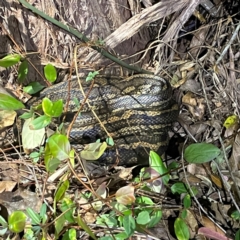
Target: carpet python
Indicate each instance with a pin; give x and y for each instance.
(137, 111)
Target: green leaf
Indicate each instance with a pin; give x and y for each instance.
(52, 109)
(144, 201)
(93, 151)
(235, 215)
(59, 146)
(32, 138)
(237, 235)
(9, 103)
(40, 122)
(67, 204)
(155, 218)
(50, 73)
(17, 221)
(187, 201)
(157, 164)
(182, 188)
(59, 224)
(129, 225)
(26, 115)
(120, 236)
(110, 141)
(10, 60)
(143, 218)
(63, 187)
(107, 219)
(179, 188)
(3, 222)
(52, 164)
(70, 234)
(36, 219)
(23, 70)
(183, 214)
(91, 75)
(201, 152)
(181, 229)
(43, 210)
(33, 87)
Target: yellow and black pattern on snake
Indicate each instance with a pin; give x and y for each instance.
(137, 111)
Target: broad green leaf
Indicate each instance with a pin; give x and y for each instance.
(40, 122)
(17, 221)
(93, 151)
(125, 195)
(63, 187)
(235, 215)
(183, 214)
(119, 236)
(67, 204)
(52, 164)
(33, 87)
(157, 164)
(201, 152)
(35, 217)
(144, 201)
(23, 70)
(43, 213)
(143, 218)
(182, 188)
(57, 108)
(187, 201)
(59, 224)
(59, 146)
(129, 225)
(70, 234)
(10, 60)
(26, 115)
(237, 235)
(9, 103)
(52, 109)
(107, 219)
(179, 188)
(155, 218)
(181, 229)
(32, 138)
(50, 73)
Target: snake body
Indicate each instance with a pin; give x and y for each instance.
(137, 111)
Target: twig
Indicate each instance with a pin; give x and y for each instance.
(235, 33)
(82, 37)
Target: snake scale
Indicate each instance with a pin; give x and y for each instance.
(137, 111)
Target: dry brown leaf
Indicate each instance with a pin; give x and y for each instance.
(216, 180)
(192, 223)
(209, 224)
(7, 118)
(234, 160)
(7, 186)
(195, 105)
(186, 66)
(90, 217)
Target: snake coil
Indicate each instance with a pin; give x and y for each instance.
(137, 111)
